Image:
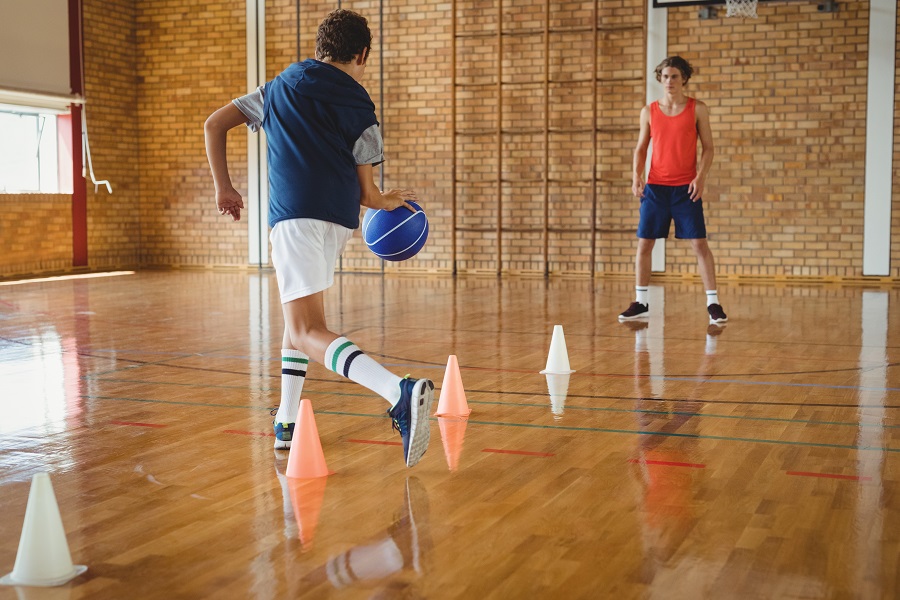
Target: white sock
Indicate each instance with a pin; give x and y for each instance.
(293, 373)
(345, 358)
(712, 297)
(642, 292)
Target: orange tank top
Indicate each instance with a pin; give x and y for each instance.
(674, 157)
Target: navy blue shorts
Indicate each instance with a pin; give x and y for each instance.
(661, 204)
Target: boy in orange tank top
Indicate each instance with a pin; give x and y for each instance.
(674, 186)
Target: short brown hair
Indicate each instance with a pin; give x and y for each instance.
(679, 63)
(342, 35)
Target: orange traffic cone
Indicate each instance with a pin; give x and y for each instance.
(306, 459)
(306, 498)
(453, 432)
(43, 558)
(453, 397)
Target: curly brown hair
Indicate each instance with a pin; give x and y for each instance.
(342, 35)
(679, 63)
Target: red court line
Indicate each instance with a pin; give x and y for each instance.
(829, 476)
(248, 433)
(130, 424)
(521, 452)
(376, 442)
(666, 463)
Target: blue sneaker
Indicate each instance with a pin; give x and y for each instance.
(283, 434)
(410, 417)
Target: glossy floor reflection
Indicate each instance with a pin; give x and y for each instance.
(678, 460)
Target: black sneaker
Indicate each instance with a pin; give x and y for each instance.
(410, 417)
(635, 311)
(716, 314)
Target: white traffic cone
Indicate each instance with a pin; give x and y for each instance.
(43, 558)
(558, 359)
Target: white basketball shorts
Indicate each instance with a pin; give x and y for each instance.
(305, 252)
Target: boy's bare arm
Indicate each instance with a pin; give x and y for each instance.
(706, 154)
(639, 160)
(228, 200)
(372, 197)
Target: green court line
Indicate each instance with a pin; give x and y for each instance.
(535, 426)
(568, 407)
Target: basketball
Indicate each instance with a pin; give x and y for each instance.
(395, 234)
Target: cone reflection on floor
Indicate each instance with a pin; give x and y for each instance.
(306, 498)
(558, 358)
(43, 558)
(453, 432)
(452, 402)
(306, 459)
(558, 387)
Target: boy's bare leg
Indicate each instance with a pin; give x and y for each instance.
(705, 262)
(639, 309)
(410, 400)
(707, 265)
(305, 336)
(643, 261)
(305, 328)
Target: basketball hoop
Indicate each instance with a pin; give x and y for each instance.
(741, 8)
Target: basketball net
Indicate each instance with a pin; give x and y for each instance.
(741, 8)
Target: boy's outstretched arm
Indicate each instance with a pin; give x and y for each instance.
(372, 197)
(228, 200)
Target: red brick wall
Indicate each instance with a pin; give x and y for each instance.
(788, 98)
(112, 87)
(191, 60)
(785, 197)
(36, 230)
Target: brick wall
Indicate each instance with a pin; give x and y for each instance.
(788, 99)
(36, 230)
(111, 89)
(787, 93)
(191, 61)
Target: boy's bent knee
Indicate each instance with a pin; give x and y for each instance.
(301, 339)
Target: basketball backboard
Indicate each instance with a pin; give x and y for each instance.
(668, 3)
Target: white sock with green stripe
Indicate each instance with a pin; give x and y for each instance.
(345, 358)
(293, 373)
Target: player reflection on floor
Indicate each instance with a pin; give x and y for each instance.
(405, 546)
(406, 543)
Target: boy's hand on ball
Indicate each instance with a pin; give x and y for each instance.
(392, 199)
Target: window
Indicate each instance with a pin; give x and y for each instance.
(29, 150)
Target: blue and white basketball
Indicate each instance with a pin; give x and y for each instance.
(396, 234)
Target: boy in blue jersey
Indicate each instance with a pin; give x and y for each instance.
(323, 141)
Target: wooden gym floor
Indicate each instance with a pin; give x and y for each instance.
(761, 462)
